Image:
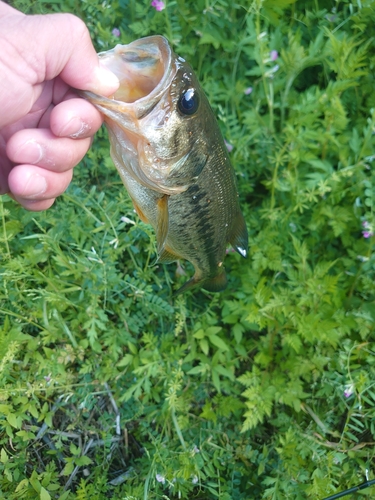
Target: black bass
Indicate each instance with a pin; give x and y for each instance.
(168, 149)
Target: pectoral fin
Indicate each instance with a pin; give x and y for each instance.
(238, 237)
(162, 223)
(141, 215)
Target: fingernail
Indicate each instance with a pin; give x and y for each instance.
(75, 128)
(30, 152)
(105, 81)
(35, 185)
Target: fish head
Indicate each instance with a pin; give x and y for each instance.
(158, 119)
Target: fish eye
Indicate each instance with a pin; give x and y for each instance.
(188, 102)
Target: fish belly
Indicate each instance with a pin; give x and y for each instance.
(200, 220)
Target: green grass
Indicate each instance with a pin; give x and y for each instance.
(111, 388)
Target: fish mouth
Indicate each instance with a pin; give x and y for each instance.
(145, 69)
(140, 67)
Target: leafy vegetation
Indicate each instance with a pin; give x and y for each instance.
(109, 387)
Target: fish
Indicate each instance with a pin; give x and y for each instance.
(169, 151)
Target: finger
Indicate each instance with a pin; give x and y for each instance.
(40, 147)
(79, 65)
(70, 54)
(5, 167)
(30, 44)
(36, 188)
(75, 118)
(6, 9)
(4, 172)
(36, 206)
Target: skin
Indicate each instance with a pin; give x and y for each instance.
(45, 129)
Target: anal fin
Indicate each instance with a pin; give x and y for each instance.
(192, 283)
(216, 284)
(238, 237)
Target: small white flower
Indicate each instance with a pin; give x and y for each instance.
(228, 146)
(160, 478)
(114, 242)
(127, 220)
(272, 71)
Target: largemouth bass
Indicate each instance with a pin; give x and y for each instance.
(169, 152)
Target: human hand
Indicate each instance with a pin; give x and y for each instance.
(45, 129)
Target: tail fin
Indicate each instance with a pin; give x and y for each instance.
(238, 237)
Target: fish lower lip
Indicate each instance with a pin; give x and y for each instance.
(147, 110)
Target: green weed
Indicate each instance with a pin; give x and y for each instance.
(109, 388)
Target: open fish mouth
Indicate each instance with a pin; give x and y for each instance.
(140, 67)
(145, 70)
(139, 109)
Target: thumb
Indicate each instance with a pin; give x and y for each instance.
(58, 45)
(74, 58)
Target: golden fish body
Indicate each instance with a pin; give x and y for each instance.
(168, 149)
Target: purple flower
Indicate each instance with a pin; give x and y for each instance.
(248, 90)
(160, 478)
(368, 229)
(229, 146)
(349, 390)
(367, 234)
(116, 32)
(158, 4)
(274, 55)
(330, 18)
